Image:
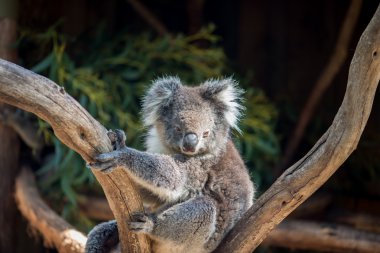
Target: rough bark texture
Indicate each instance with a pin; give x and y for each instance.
(303, 178)
(56, 232)
(323, 237)
(76, 128)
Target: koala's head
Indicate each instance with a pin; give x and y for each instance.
(191, 120)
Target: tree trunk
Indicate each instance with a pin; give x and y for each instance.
(9, 146)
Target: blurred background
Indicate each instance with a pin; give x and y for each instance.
(291, 57)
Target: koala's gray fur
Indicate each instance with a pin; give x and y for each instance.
(191, 178)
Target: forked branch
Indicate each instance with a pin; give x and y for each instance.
(302, 179)
(78, 130)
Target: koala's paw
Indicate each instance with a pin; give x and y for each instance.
(117, 138)
(107, 162)
(141, 223)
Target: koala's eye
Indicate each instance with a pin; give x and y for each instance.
(206, 134)
(178, 129)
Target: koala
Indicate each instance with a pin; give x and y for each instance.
(191, 177)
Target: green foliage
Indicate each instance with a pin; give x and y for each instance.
(108, 78)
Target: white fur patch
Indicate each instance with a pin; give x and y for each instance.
(153, 143)
(230, 96)
(159, 94)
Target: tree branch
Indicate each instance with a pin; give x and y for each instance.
(76, 128)
(302, 179)
(363, 221)
(361, 237)
(323, 237)
(56, 231)
(324, 81)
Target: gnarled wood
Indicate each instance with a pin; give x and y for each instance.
(303, 178)
(76, 128)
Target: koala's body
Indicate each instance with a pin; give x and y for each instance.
(191, 178)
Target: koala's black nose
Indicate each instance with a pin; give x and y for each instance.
(190, 141)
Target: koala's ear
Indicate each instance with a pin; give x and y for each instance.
(160, 94)
(227, 95)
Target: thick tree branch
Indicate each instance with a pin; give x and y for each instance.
(56, 232)
(323, 237)
(302, 179)
(324, 81)
(76, 128)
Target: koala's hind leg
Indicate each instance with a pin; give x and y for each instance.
(102, 238)
(190, 222)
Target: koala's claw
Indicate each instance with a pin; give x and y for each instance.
(141, 222)
(117, 138)
(103, 167)
(107, 157)
(105, 162)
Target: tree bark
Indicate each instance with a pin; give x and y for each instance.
(303, 178)
(75, 127)
(56, 232)
(323, 237)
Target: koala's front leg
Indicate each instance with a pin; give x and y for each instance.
(157, 173)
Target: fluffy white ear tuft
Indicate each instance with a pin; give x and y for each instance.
(160, 94)
(229, 95)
